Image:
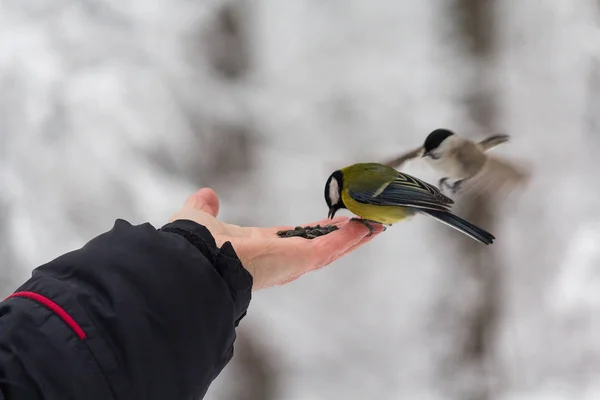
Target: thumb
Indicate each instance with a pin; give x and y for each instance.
(205, 200)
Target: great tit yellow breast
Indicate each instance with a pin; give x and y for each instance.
(383, 214)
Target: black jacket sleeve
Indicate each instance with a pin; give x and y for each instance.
(137, 313)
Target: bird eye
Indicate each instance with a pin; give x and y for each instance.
(434, 156)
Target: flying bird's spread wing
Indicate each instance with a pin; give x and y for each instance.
(398, 162)
(497, 178)
(493, 141)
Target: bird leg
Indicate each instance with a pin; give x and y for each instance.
(366, 222)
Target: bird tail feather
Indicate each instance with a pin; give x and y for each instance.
(461, 225)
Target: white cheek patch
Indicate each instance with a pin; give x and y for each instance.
(334, 191)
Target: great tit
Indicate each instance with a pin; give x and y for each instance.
(379, 193)
(463, 160)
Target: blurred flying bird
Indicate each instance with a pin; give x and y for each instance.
(465, 162)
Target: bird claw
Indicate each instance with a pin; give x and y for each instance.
(366, 223)
(443, 183)
(456, 187)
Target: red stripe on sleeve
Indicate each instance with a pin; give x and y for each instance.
(58, 310)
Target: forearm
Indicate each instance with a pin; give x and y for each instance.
(157, 308)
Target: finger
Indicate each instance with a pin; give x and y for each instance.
(323, 250)
(350, 249)
(319, 257)
(342, 245)
(205, 200)
(308, 255)
(347, 235)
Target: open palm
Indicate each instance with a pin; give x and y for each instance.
(272, 260)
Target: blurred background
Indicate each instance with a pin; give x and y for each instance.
(122, 108)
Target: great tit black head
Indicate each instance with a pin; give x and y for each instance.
(333, 193)
(434, 140)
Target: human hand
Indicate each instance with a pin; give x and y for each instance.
(272, 260)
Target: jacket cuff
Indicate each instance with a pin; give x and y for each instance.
(225, 261)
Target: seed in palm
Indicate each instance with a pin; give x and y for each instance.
(308, 232)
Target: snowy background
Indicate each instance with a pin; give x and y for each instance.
(122, 108)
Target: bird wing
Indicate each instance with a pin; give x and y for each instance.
(399, 161)
(497, 178)
(493, 141)
(403, 190)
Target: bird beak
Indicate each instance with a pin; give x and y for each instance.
(331, 213)
(425, 154)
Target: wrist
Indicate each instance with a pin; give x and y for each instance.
(238, 279)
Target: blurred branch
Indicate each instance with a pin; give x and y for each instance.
(475, 21)
(221, 153)
(232, 154)
(10, 278)
(225, 158)
(251, 374)
(226, 41)
(592, 119)
(478, 344)
(254, 363)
